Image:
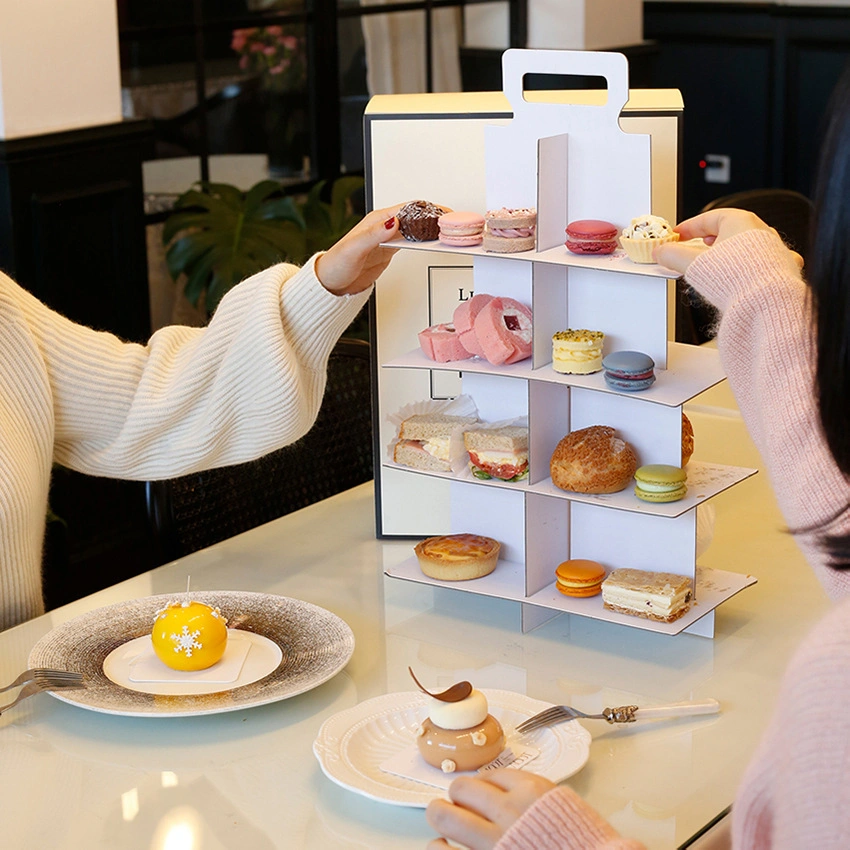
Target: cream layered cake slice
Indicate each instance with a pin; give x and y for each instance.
(655, 596)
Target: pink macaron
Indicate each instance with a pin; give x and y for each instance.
(442, 344)
(591, 236)
(461, 229)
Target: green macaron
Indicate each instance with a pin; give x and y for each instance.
(660, 482)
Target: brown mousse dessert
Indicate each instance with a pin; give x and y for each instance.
(459, 733)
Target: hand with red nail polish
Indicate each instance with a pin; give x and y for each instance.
(356, 261)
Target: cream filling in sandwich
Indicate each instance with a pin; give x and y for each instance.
(494, 458)
(438, 447)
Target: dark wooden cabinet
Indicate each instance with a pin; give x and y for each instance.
(72, 227)
(756, 79)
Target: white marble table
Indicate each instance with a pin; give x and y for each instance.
(73, 778)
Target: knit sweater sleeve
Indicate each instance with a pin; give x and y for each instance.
(766, 344)
(191, 398)
(795, 792)
(561, 820)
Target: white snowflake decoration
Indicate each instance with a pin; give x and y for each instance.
(186, 641)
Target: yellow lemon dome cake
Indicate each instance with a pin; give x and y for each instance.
(189, 635)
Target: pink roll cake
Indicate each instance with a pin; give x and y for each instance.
(461, 229)
(503, 330)
(442, 344)
(464, 322)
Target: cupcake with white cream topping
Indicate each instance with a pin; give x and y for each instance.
(644, 235)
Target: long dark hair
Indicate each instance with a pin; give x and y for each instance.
(828, 275)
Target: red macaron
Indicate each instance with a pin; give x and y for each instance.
(591, 236)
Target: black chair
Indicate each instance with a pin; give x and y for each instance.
(787, 211)
(197, 510)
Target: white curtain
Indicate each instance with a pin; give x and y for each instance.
(395, 51)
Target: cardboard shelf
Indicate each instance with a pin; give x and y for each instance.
(507, 581)
(713, 587)
(690, 370)
(558, 256)
(705, 481)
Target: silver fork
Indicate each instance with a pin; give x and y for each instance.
(621, 714)
(37, 674)
(36, 687)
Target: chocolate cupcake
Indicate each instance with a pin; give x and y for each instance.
(418, 221)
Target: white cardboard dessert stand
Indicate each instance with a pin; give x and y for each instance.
(570, 161)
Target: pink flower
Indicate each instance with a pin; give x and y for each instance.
(290, 42)
(240, 38)
(274, 31)
(269, 51)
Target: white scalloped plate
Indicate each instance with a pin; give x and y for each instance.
(353, 744)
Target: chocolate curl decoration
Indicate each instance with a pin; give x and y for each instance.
(454, 694)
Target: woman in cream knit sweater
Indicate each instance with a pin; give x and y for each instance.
(786, 350)
(190, 399)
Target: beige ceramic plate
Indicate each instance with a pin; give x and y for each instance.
(352, 745)
(315, 643)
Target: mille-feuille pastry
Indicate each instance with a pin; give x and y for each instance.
(663, 597)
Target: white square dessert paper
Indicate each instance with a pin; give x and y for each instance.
(409, 764)
(146, 666)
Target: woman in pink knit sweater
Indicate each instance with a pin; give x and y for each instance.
(786, 350)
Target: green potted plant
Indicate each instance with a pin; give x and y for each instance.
(217, 234)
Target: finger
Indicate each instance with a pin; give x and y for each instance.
(380, 255)
(461, 825)
(506, 778)
(386, 212)
(340, 269)
(438, 844)
(678, 255)
(383, 223)
(373, 269)
(521, 789)
(700, 226)
(722, 223)
(372, 230)
(479, 795)
(509, 780)
(798, 259)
